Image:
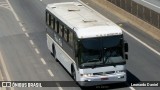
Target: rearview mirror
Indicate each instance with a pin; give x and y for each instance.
(126, 56)
(76, 54)
(126, 47)
(76, 48)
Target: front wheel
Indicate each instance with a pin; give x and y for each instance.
(53, 51)
(74, 74)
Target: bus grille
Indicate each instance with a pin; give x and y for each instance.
(104, 73)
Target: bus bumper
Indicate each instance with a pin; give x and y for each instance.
(101, 80)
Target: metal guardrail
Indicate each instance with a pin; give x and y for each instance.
(140, 11)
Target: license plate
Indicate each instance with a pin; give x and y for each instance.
(104, 78)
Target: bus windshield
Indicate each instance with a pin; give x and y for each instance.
(101, 51)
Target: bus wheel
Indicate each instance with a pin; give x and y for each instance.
(73, 74)
(53, 51)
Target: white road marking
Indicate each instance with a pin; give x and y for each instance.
(23, 29)
(150, 3)
(5, 5)
(2, 2)
(27, 34)
(40, 0)
(120, 25)
(50, 73)
(43, 61)
(59, 86)
(132, 88)
(31, 41)
(5, 69)
(15, 15)
(37, 51)
(143, 43)
(20, 24)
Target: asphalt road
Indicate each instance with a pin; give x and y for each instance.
(25, 50)
(153, 4)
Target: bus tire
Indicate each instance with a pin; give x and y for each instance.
(73, 73)
(54, 52)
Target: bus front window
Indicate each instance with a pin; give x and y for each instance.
(90, 52)
(101, 51)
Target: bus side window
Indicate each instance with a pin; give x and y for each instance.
(48, 17)
(66, 34)
(61, 30)
(57, 26)
(52, 22)
(76, 47)
(71, 38)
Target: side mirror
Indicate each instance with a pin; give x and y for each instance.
(126, 56)
(126, 47)
(76, 50)
(76, 44)
(76, 54)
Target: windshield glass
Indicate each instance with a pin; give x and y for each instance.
(101, 51)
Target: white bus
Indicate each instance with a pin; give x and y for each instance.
(88, 45)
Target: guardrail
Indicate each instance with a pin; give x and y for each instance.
(148, 15)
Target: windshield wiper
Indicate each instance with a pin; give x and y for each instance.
(110, 62)
(94, 65)
(93, 60)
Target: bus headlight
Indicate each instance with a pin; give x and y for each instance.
(120, 71)
(87, 75)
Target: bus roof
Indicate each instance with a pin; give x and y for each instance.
(85, 21)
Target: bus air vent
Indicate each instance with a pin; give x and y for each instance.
(73, 9)
(89, 20)
(79, 5)
(110, 72)
(53, 7)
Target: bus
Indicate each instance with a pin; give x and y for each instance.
(89, 46)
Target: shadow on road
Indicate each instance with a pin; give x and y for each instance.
(132, 78)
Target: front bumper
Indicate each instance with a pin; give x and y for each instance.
(99, 80)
